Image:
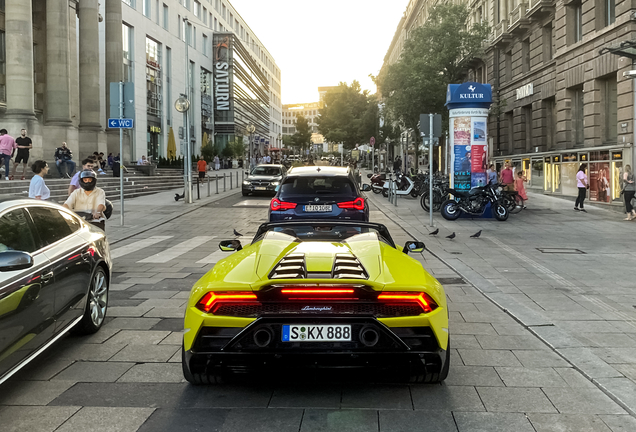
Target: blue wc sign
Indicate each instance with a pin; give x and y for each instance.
(468, 105)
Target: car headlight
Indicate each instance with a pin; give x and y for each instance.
(275, 183)
(246, 183)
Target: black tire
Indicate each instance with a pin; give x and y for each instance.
(500, 212)
(376, 190)
(424, 201)
(96, 305)
(415, 193)
(450, 211)
(385, 193)
(508, 202)
(444, 372)
(245, 193)
(430, 373)
(197, 378)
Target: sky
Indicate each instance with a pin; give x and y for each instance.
(323, 42)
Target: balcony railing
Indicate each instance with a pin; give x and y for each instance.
(500, 29)
(518, 14)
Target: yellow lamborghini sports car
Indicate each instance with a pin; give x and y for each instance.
(320, 294)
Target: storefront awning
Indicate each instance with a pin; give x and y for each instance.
(624, 49)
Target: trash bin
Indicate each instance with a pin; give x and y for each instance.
(116, 169)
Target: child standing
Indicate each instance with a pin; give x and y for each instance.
(520, 188)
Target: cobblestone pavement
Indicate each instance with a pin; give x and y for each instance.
(503, 377)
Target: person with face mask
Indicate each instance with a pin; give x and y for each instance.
(89, 199)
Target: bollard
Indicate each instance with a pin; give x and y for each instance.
(242, 176)
(230, 181)
(224, 188)
(208, 185)
(198, 193)
(217, 184)
(395, 189)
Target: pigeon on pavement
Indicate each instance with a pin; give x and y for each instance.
(476, 235)
(434, 232)
(238, 234)
(452, 236)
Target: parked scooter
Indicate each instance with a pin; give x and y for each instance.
(404, 185)
(377, 182)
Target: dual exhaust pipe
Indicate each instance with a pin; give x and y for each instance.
(263, 337)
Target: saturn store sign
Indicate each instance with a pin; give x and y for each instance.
(222, 44)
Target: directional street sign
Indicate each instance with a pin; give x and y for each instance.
(117, 123)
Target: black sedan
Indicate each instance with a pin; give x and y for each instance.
(264, 178)
(55, 270)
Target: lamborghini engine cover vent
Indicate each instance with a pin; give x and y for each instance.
(348, 267)
(291, 267)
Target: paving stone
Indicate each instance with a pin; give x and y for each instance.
(488, 358)
(622, 389)
(187, 419)
(472, 329)
(492, 422)
(589, 363)
(574, 378)
(518, 342)
(481, 317)
(93, 371)
(616, 355)
(527, 377)
(446, 397)
(567, 423)
(249, 395)
(153, 294)
(131, 323)
(146, 353)
(606, 340)
(378, 396)
(588, 401)
(539, 359)
(405, 421)
(462, 307)
(293, 396)
(472, 376)
(104, 419)
(465, 341)
(509, 329)
(556, 337)
(322, 420)
(87, 352)
(139, 337)
(32, 392)
(174, 338)
(164, 303)
(40, 419)
(43, 369)
(154, 372)
(182, 295)
(264, 420)
(170, 324)
(128, 311)
(100, 337)
(620, 423)
(163, 312)
(515, 399)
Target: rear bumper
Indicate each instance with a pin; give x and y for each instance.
(252, 189)
(354, 215)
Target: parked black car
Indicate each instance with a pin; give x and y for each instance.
(55, 271)
(319, 192)
(264, 178)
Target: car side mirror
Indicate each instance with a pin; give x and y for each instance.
(366, 187)
(230, 245)
(247, 174)
(414, 246)
(15, 260)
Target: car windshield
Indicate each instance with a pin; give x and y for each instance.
(339, 186)
(326, 232)
(266, 171)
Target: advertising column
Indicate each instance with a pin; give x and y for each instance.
(468, 105)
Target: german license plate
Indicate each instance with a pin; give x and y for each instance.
(316, 333)
(318, 208)
(260, 188)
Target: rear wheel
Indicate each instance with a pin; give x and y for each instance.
(430, 373)
(501, 212)
(385, 193)
(245, 193)
(450, 210)
(199, 378)
(376, 190)
(96, 305)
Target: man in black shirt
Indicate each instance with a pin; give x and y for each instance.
(24, 145)
(63, 156)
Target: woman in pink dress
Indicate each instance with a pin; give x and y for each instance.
(520, 188)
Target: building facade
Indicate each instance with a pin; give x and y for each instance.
(310, 111)
(560, 100)
(67, 67)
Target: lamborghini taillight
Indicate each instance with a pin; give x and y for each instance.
(210, 302)
(422, 299)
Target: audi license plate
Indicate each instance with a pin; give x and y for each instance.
(260, 188)
(318, 208)
(316, 333)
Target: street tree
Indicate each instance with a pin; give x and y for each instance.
(349, 115)
(302, 137)
(436, 54)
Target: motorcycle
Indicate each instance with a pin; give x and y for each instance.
(474, 203)
(88, 216)
(377, 182)
(404, 185)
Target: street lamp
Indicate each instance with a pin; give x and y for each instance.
(182, 105)
(251, 129)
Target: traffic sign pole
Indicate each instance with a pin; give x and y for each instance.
(121, 154)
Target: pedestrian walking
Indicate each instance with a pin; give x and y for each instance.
(202, 167)
(492, 174)
(583, 185)
(87, 164)
(7, 147)
(216, 163)
(520, 188)
(37, 187)
(64, 158)
(24, 144)
(507, 178)
(629, 189)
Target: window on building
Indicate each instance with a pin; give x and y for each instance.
(216, 25)
(547, 43)
(130, 3)
(231, 20)
(609, 120)
(197, 9)
(574, 18)
(224, 13)
(577, 110)
(146, 8)
(189, 34)
(204, 14)
(157, 12)
(3, 65)
(527, 120)
(508, 66)
(168, 97)
(216, 6)
(205, 45)
(180, 30)
(166, 17)
(187, 4)
(550, 122)
(525, 55)
(127, 46)
(510, 118)
(153, 78)
(609, 12)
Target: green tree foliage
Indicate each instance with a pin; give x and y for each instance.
(435, 55)
(349, 115)
(302, 137)
(207, 151)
